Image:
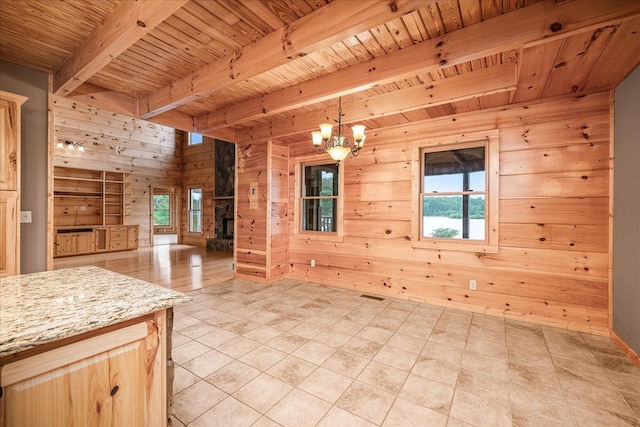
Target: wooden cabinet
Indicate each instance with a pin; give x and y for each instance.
(10, 107)
(132, 237)
(88, 197)
(74, 242)
(114, 378)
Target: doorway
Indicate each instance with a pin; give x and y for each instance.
(164, 215)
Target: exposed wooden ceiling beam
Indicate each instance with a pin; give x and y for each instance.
(526, 26)
(128, 23)
(487, 81)
(327, 25)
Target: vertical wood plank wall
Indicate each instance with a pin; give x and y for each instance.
(278, 211)
(114, 142)
(552, 264)
(198, 166)
(252, 212)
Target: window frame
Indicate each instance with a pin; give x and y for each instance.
(190, 141)
(169, 209)
(191, 210)
(299, 165)
(490, 139)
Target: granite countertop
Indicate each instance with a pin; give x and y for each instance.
(44, 307)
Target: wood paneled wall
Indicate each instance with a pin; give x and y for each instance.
(198, 162)
(278, 205)
(149, 152)
(552, 264)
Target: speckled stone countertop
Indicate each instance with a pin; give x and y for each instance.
(44, 307)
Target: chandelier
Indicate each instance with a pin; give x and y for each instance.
(338, 146)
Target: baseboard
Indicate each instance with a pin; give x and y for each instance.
(628, 351)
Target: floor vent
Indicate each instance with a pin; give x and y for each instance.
(372, 297)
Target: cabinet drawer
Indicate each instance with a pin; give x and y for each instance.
(118, 235)
(117, 244)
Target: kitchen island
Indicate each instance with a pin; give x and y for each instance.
(84, 346)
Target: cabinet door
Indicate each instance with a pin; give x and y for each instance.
(101, 239)
(9, 144)
(132, 237)
(85, 242)
(8, 233)
(109, 386)
(65, 244)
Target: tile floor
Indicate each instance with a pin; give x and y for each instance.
(300, 354)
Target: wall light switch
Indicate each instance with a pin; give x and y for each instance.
(25, 217)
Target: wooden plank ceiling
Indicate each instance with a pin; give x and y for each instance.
(275, 68)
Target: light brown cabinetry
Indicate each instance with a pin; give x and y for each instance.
(86, 240)
(115, 378)
(10, 108)
(89, 212)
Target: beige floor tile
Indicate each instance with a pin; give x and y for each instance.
(337, 417)
(488, 322)
(287, 342)
(242, 326)
(404, 413)
(184, 321)
(306, 330)
(383, 377)
(591, 415)
(633, 400)
(187, 351)
(428, 393)
(238, 347)
(407, 342)
(487, 348)
(183, 379)
(265, 422)
(299, 409)
(207, 363)
(495, 367)
(418, 327)
(535, 378)
(325, 384)
(177, 339)
(453, 422)
(216, 338)
(263, 357)
(366, 401)
(262, 334)
(233, 376)
(332, 338)
(450, 339)
(436, 370)
(387, 323)
(314, 352)
(198, 329)
(531, 406)
(625, 381)
(486, 334)
(362, 347)
(375, 334)
(347, 326)
(347, 364)
(393, 356)
(194, 401)
(292, 370)
(450, 355)
(483, 384)
(228, 412)
(479, 410)
(262, 392)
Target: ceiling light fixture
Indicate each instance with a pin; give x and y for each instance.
(338, 146)
(70, 145)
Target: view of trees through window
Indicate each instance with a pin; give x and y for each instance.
(320, 197)
(161, 210)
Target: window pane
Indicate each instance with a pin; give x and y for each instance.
(321, 180)
(196, 198)
(195, 214)
(454, 170)
(195, 138)
(456, 217)
(161, 212)
(319, 214)
(195, 222)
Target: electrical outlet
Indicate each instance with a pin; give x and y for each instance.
(83, 208)
(313, 263)
(472, 285)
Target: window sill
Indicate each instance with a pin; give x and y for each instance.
(321, 236)
(462, 246)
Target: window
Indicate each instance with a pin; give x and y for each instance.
(162, 210)
(195, 210)
(456, 201)
(319, 199)
(195, 138)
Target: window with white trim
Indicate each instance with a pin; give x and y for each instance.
(457, 194)
(319, 198)
(195, 210)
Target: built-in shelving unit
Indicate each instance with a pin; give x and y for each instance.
(89, 212)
